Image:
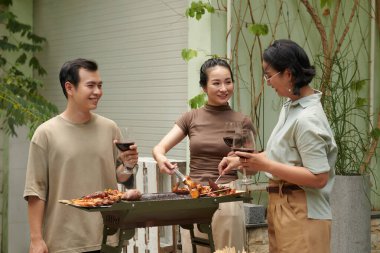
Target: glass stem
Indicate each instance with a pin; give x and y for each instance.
(244, 174)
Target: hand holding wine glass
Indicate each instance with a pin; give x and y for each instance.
(244, 141)
(128, 156)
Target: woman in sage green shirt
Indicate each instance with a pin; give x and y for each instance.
(299, 158)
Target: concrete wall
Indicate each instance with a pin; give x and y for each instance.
(137, 45)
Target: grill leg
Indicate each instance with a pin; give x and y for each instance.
(203, 228)
(124, 234)
(206, 228)
(190, 227)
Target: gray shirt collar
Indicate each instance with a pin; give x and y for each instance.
(305, 101)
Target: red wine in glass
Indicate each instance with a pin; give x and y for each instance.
(230, 129)
(126, 140)
(124, 146)
(248, 150)
(228, 140)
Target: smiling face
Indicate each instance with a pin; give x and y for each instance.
(219, 86)
(86, 96)
(280, 81)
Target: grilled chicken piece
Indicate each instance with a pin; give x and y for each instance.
(213, 186)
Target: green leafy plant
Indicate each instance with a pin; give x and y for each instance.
(198, 9)
(21, 102)
(188, 53)
(347, 112)
(258, 29)
(198, 101)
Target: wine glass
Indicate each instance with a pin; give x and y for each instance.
(126, 140)
(123, 144)
(230, 128)
(244, 141)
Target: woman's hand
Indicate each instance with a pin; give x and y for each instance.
(38, 246)
(253, 162)
(164, 165)
(228, 163)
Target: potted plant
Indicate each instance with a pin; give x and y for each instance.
(348, 113)
(356, 138)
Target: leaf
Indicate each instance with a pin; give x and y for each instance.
(5, 15)
(29, 47)
(35, 64)
(360, 102)
(210, 8)
(16, 27)
(375, 133)
(258, 29)
(21, 59)
(3, 61)
(35, 38)
(198, 9)
(215, 56)
(198, 101)
(358, 85)
(325, 3)
(188, 54)
(189, 13)
(6, 46)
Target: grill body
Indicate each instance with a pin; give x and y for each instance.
(160, 209)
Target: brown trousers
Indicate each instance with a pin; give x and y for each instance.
(290, 230)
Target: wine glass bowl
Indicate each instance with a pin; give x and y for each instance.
(230, 128)
(125, 141)
(244, 141)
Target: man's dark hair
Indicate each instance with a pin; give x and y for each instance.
(286, 54)
(70, 71)
(210, 63)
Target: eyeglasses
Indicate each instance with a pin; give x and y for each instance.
(266, 78)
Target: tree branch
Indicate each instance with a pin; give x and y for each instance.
(318, 24)
(371, 151)
(356, 3)
(333, 26)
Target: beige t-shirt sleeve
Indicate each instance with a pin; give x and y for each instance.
(36, 183)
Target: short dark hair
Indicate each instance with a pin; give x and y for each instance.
(70, 71)
(286, 54)
(210, 63)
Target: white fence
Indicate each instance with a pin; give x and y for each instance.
(148, 179)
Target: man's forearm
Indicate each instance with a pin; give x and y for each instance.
(36, 209)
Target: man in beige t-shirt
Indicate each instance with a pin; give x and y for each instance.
(71, 155)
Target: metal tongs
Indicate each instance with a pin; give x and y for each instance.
(180, 175)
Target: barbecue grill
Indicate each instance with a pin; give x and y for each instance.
(160, 209)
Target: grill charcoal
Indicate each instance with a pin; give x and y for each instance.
(162, 196)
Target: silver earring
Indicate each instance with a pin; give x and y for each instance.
(290, 90)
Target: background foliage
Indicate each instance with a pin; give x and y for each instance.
(21, 102)
(342, 29)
